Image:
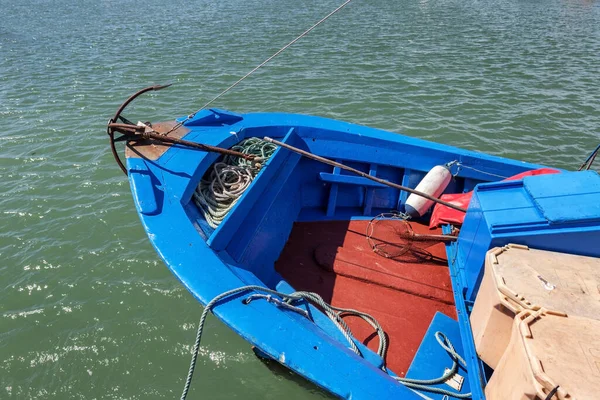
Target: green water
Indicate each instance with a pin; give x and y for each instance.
(87, 310)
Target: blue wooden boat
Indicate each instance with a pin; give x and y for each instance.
(300, 226)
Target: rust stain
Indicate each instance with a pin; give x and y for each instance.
(152, 149)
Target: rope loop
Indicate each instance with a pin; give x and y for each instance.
(335, 314)
(218, 193)
(426, 385)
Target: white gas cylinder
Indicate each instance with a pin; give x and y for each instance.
(433, 184)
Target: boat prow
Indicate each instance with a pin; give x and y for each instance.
(299, 225)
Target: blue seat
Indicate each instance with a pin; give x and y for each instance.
(431, 359)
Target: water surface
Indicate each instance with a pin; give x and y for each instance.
(87, 310)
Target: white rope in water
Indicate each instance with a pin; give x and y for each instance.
(229, 179)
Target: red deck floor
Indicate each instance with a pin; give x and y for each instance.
(334, 259)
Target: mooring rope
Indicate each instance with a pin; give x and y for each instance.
(460, 166)
(334, 313)
(228, 180)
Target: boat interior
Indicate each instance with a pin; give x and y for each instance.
(334, 259)
(302, 225)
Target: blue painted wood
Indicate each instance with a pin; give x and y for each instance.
(474, 368)
(215, 117)
(326, 324)
(232, 222)
(289, 189)
(406, 181)
(349, 180)
(333, 191)
(568, 197)
(269, 226)
(469, 184)
(145, 193)
(431, 359)
(369, 191)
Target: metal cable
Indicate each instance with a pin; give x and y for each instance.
(460, 165)
(306, 32)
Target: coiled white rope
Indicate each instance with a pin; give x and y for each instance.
(228, 180)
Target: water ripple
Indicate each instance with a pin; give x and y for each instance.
(87, 308)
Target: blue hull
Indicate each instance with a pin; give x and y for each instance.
(244, 248)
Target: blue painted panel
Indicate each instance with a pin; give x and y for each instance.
(333, 192)
(564, 184)
(407, 180)
(350, 180)
(314, 193)
(214, 117)
(503, 196)
(573, 208)
(350, 196)
(146, 193)
(369, 192)
(455, 185)
(404, 155)
(475, 370)
(266, 229)
(431, 359)
(270, 232)
(469, 184)
(514, 218)
(567, 197)
(254, 194)
(581, 241)
(328, 326)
